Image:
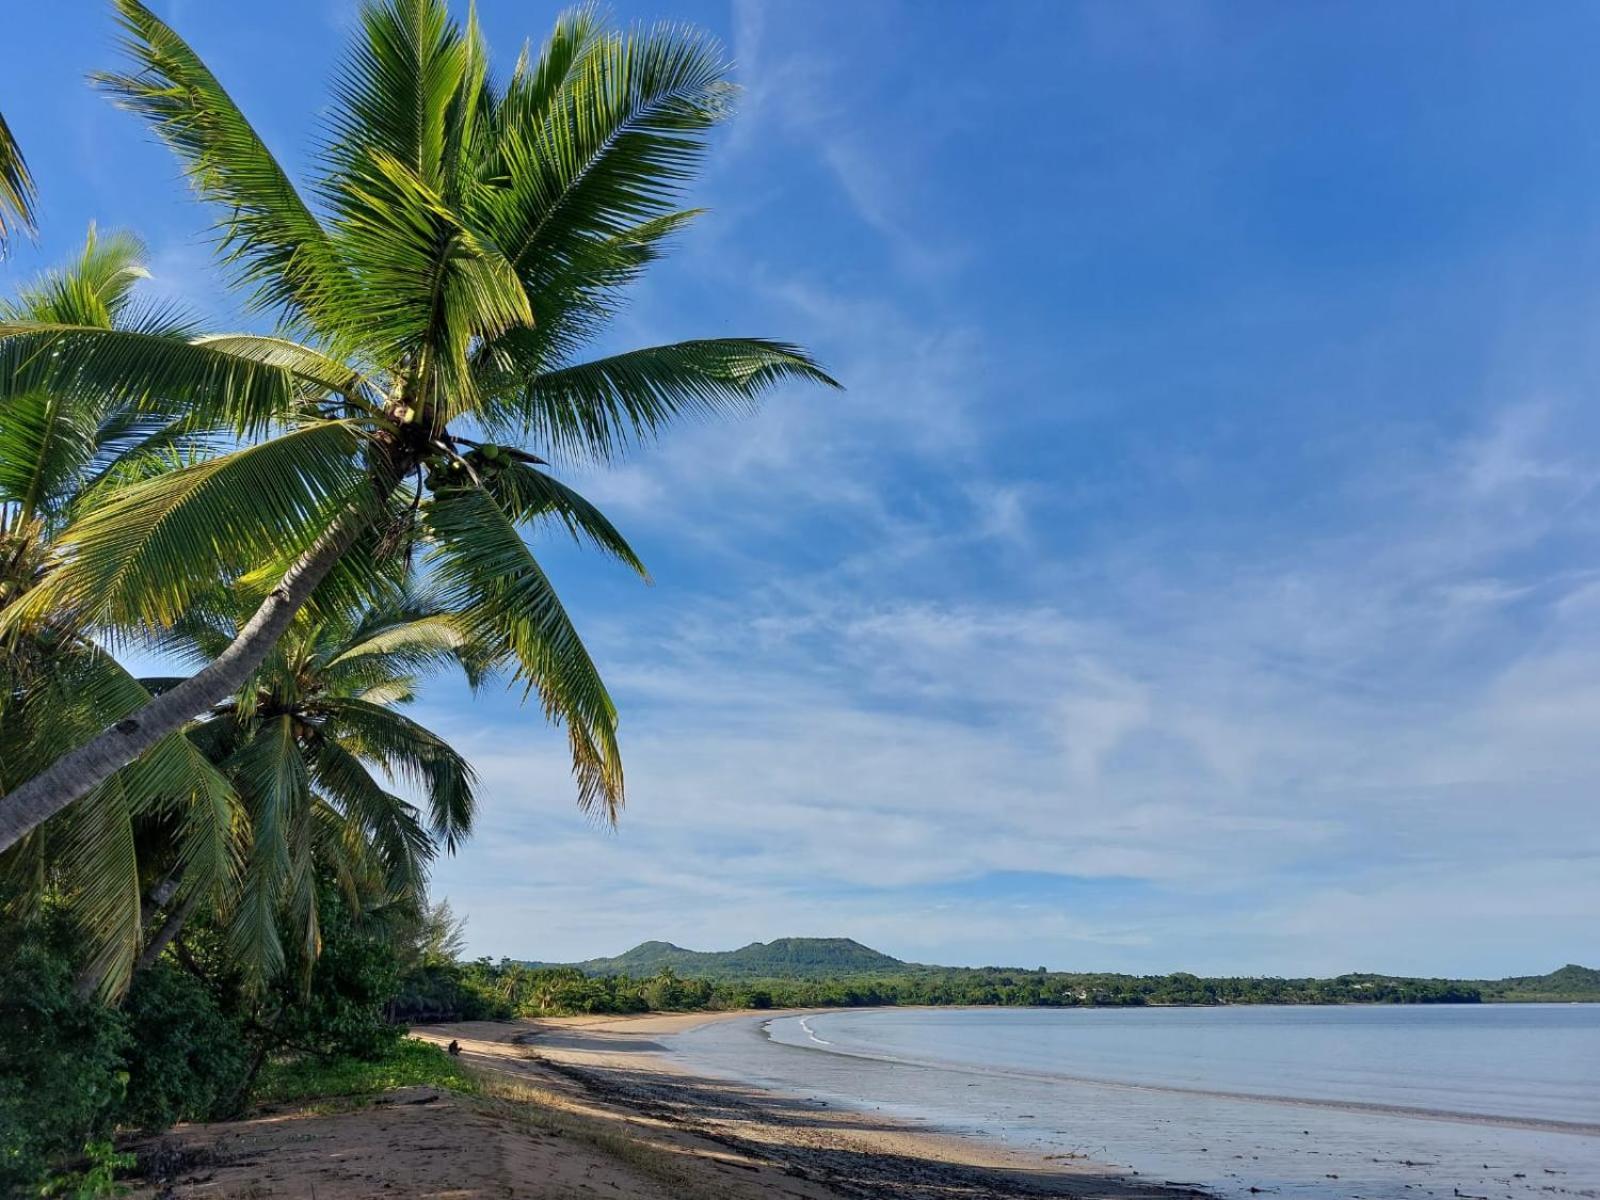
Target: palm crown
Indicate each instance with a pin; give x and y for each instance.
(463, 242)
(300, 745)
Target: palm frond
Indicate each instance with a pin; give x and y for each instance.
(305, 363)
(52, 437)
(419, 643)
(601, 137)
(45, 440)
(597, 409)
(145, 368)
(271, 776)
(268, 232)
(575, 299)
(84, 690)
(430, 288)
(388, 821)
(411, 753)
(102, 876)
(507, 602)
(16, 187)
(389, 691)
(365, 575)
(529, 495)
(94, 290)
(143, 555)
(397, 87)
(535, 84)
(173, 781)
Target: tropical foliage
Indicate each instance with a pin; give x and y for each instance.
(213, 881)
(16, 186)
(61, 452)
(271, 786)
(464, 243)
(189, 1042)
(300, 746)
(508, 988)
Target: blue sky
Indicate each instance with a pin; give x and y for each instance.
(1199, 572)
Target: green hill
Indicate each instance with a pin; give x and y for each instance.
(785, 958)
(1571, 982)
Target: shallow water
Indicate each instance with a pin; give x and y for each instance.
(1487, 1101)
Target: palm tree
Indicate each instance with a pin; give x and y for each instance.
(59, 450)
(300, 744)
(16, 187)
(468, 239)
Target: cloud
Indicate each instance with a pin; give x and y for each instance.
(795, 90)
(830, 753)
(1039, 643)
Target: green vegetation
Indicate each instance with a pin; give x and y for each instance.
(785, 958)
(213, 884)
(188, 1042)
(815, 973)
(407, 1063)
(1571, 983)
(468, 240)
(513, 989)
(16, 187)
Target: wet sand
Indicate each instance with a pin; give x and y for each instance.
(589, 1106)
(612, 1068)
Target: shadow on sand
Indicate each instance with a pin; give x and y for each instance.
(807, 1140)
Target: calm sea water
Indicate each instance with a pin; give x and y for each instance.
(1481, 1100)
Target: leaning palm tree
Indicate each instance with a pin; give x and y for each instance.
(59, 450)
(464, 242)
(300, 744)
(16, 187)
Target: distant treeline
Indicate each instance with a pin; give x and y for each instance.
(485, 989)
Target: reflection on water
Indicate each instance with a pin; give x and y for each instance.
(1321, 1102)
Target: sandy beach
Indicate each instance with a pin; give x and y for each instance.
(589, 1106)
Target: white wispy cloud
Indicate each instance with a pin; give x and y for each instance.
(908, 691)
(828, 750)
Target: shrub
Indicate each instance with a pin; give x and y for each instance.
(407, 1063)
(186, 1060)
(64, 1077)
(342, 1008)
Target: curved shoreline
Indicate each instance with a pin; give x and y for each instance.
(616, 1064)
(1496, 1120)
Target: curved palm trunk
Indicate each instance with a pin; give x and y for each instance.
(79, 771)
(93, 977)
(169, 930)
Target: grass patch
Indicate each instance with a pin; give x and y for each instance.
(409, 1063)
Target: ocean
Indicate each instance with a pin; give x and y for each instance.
(1350, 1101)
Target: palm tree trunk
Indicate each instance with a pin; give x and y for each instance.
(79, 771)
(90, 979)
(169, 930)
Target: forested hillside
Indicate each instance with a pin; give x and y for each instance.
(1570, 983)
(805, 972)
(784, 958)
